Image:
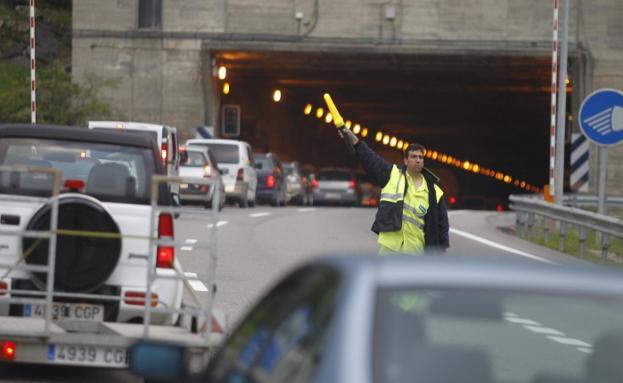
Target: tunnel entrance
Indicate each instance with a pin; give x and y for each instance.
(492, 111)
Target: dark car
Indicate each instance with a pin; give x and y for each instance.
(369, 193)
(336, 186)
(424, 319)
(271, 180)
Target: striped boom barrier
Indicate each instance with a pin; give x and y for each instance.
(579, 163)
(33, 84)
(552, 148)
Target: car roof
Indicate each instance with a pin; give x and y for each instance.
(72, 133)
(475, 272)
(214, 141)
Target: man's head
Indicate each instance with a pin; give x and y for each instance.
(414, 158)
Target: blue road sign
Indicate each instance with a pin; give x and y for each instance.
(601, 117)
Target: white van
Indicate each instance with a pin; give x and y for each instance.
(235, 159)
(166, 139)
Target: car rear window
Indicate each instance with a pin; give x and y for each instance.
(195, 159)
(334, 175)
(263, 163)
(109, 172)
(225, 153)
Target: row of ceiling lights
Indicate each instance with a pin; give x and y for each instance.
(398, 143)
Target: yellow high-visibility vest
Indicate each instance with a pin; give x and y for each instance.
(410, 237)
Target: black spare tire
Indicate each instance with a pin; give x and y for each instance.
(82, 263)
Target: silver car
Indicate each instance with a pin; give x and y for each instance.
(336, 186)
(200, 163)
(429, 319)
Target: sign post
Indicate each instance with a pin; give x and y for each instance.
(601, 121)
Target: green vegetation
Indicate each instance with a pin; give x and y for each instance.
(592, 250)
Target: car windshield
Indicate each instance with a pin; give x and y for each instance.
(479, 337)
(263, 163)
(225, 153)
(109, 172)
(333, 175)
(195, 159)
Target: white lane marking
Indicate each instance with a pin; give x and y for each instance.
(191, 241)
(523, 321)
(262, 214)
(456, 212)
(586, 350)
(306, 209)
(218, 224)
(196, 284)
(498, 246)
(186, 248)
(510, 314)
(569, 341)
(544, 330)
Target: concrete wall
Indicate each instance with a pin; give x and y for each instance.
(161, 76)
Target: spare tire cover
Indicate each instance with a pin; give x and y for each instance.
(82, 263)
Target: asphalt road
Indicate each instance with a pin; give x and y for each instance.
(256, 246)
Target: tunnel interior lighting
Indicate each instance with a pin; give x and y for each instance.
(277, 95)
(319, 112)
(378, 137)
(393, 142)
(357, 129)
(308, 109)
(222, 72)
(400, 144)
(226, 88)
(475, 168)
(507, 179)
(434, 155)
(364, 132)
(386, 139)
(328, 118)
(444, 158)
(348, 124)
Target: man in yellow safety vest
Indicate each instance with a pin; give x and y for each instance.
(412, 215)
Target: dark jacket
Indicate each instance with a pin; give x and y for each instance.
(436, 224)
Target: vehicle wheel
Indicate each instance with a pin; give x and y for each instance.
(243, 203)
(252, 202)
(82, 263)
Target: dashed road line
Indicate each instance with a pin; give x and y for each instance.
(544, 330)
(186, 248)
(218, 224)
(191, 241)
(523, 321)
(549, 333)
(306, 209)
(257, 215)
(568, 341)
(196, 284)
(499, 246)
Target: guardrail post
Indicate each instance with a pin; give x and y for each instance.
(545, 230)
(605, 244)
(563, 235)
(583, 236)
(530, 224)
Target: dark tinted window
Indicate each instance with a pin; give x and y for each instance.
(149, 13)
(334, 175)
(224, 153)
(362, 177)
(264, 163)
(282, 339)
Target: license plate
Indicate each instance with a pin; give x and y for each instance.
(183, 186)
(87, 355)
(333, 196)
(230, 188)
(78, 311)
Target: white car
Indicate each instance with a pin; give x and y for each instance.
(235, 159)
(198, 162)
(105, 188)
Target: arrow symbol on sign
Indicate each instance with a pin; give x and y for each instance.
(607, 120)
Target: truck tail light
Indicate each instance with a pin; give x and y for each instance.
(3, 288)
(207, 171)
(351, 184)
(8, 350)
(164, 152)
(240, 175)
(137, 298)
(165, 254)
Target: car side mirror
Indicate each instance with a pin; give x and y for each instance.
(183, 156)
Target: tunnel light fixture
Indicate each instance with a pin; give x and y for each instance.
(393, 142)
(475, 168)
(226, 88)
(348, 124)
(357, 129)
(277, 95)
(319, 112)
(434, 155)
(308, 109)
(516, 183)
(222, 72)
(444, 158)
(364, 132)
(378, 137)
(507, 179)
(466, 165)
(328, 118)
(400, 144)
(386, 139)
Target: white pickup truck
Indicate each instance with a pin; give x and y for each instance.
(86, 235)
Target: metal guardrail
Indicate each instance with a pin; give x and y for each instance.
(579, 200)
(529, 208)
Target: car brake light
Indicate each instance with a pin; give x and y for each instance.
(270, 181)
(215, 327)
(137, 298)
(240, 175)
(165, 254)
(351, 184)
(500, 208)
(74, 185)
(164, 153)
(207, 171)
(452, 200)
(314, 184)
(3, 288)
(8, 350)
